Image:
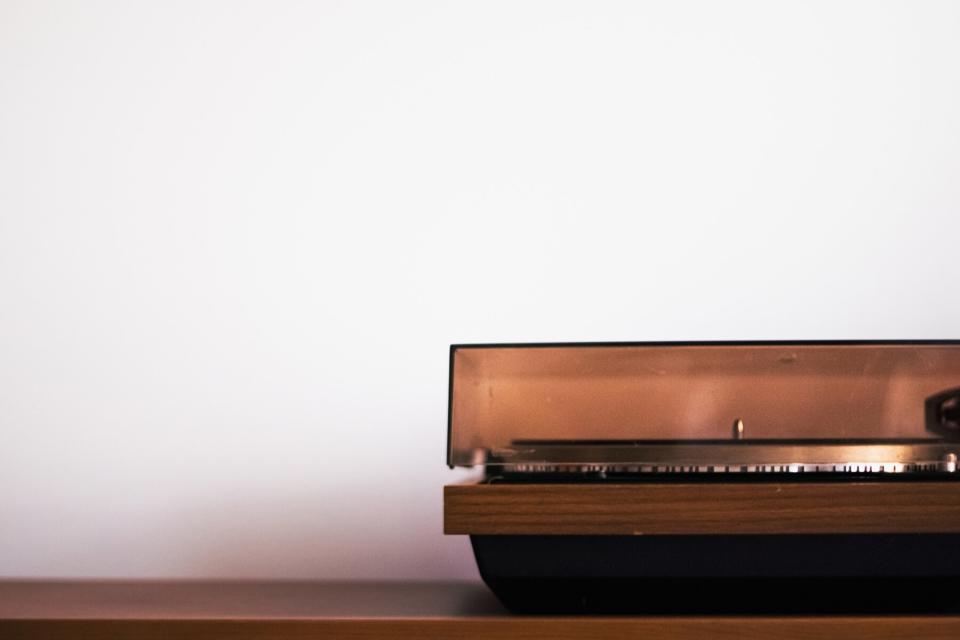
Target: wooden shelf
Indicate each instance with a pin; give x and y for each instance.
(302, 610)
(702, 508)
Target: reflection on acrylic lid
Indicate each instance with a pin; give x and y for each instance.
(503, 396)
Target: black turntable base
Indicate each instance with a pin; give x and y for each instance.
(728, 574)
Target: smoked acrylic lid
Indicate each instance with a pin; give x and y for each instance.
(794, 404)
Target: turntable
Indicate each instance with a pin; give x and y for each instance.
(710, 477)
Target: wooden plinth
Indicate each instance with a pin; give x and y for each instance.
(706, 508)
(279, 611)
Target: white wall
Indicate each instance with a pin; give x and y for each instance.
(236, 240)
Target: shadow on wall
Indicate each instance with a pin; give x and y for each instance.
(326, 536)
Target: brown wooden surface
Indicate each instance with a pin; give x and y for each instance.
(707, 508)
(302, 610)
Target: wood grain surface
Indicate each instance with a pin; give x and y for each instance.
(703, 508)
(260, 610)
